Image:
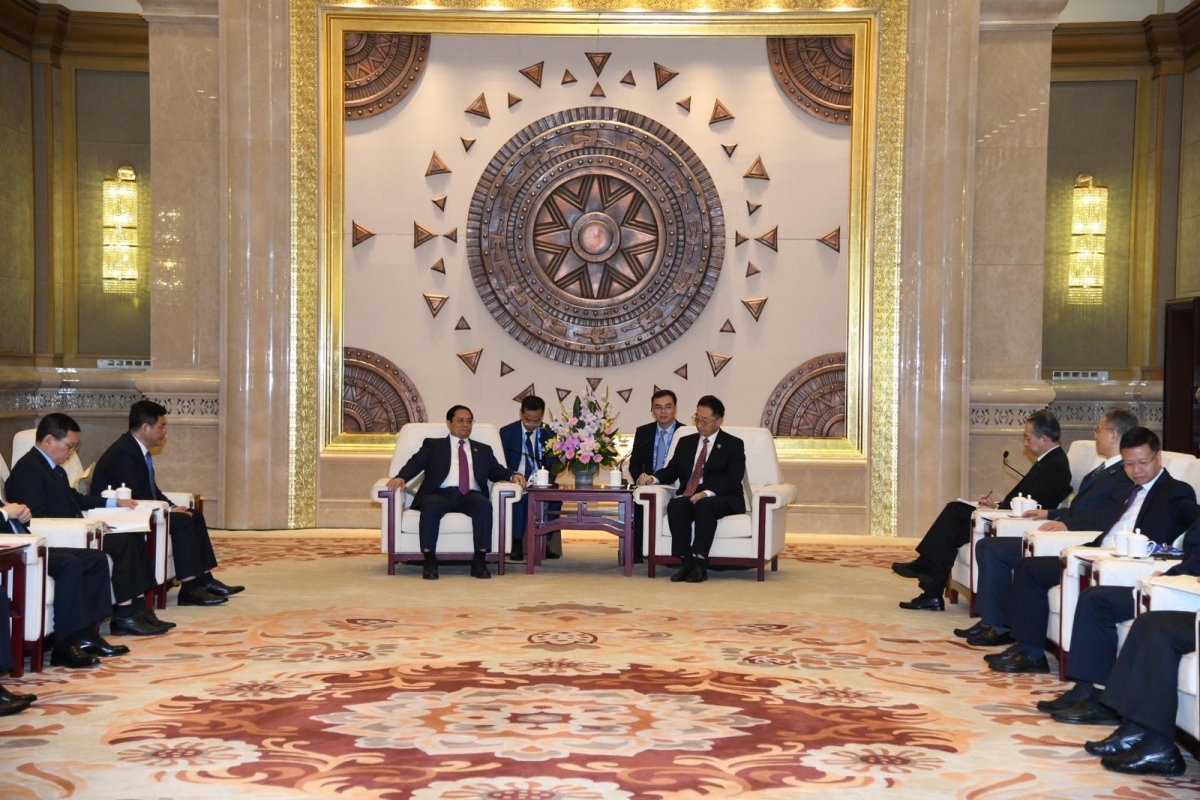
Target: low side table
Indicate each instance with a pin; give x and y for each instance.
(12, 575)
(619, 524)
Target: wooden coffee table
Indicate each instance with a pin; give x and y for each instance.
(618, 521)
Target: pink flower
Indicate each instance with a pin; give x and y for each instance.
(573, 420)
(585, 458)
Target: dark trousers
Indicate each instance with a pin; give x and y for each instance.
(694, 525)
(1094, 635)
(1029, 606)
(6, 659)
(1143, 684)
(996, 557)
(190, 544)
(82, 590)
(448, 500)
(521, 509)
(950, 531)
(132, 572)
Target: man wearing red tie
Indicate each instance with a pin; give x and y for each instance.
(709, 466)
(457, 471)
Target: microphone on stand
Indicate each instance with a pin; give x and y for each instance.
(1010, 466)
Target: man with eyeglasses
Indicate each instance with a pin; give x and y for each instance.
(651, 443)
(524, 444)
(708, 466)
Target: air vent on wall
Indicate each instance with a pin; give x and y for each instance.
(123, 363)
(1079, 375)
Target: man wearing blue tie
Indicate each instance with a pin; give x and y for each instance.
(524, 452)
(651, 443)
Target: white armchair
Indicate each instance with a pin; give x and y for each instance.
(399, 528)
(23, 442)
(29, 609)
(1176, 593)
(750, 539)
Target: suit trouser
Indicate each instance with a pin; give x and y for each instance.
(132, 572)
(997, 557)
(191, 545)
(521, 509)
(1029, 606)
(1143, 684)
(1094, 634)
(694, 525)
(6, 661)
(950, 531)
(448, 500)
(82, 593)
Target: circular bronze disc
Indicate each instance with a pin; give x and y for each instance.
(810, 400)
(377, 397)
(595, 236)
(816, 73)
(379, 69)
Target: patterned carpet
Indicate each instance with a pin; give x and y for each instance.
(328, 678)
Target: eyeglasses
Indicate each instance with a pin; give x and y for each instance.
(71, 446)
(698, 420)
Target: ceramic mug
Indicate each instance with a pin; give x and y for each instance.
(124, 493)
(1022, 504)
(1121, 541)
(542, 478)
(1139, 545)
(614, 478)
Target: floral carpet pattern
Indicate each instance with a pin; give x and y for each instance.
(391, 690)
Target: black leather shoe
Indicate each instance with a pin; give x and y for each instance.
(1021, 662)
(12, 705)
(1060, 703)
(148, 616)
(72, 657)
(13, 697)
(967, 633)
(133, 626)
(1088, 711)
(95, 645)
(1011, 652)
(199, 596)
(222, 590)
(479, 569)
(1117, 742)
(908, 569)
(924, 603)
(989, 637)
(518, 552)
(429, 571)
(684, 569)
(698, 573)
(553, 556)
(638, 558)
(1137, 762)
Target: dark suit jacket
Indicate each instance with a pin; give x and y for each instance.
(123, 462)
(1048, 481)
(433, 459)
(723, 472)
(34, 483)
(1167, 511)
(1098, 502)
(512, 437)
(641, 457)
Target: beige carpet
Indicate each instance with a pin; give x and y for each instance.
(328, 678)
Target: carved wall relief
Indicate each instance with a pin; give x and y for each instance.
(380, 69)
(377, 397)
(810, 400)
(816, 73)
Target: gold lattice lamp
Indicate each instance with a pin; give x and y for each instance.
(1089, 224)
(120, 212)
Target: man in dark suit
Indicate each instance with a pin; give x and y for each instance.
(1159, 505)
(457, 471)
(10, 703)
(1102, 493)
(82, 586)
(708, 466)
(524, 444)
(129, 461)
(1048, 482)
(651, 443)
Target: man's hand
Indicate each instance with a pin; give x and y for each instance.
(519, 479)
(645, 479)
(986, 501)
(127, 503)
(1053, 525)
(17, 511)
(396, 484)
(698, 496)
(180, 510)
(1036, 513)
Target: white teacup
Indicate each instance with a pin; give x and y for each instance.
(1121, 542)
(1139, 545)
(542, 478)
(1022, 504)
(614, 478)
(124, 493)
(109, 493)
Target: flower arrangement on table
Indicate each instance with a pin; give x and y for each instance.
(584, 438)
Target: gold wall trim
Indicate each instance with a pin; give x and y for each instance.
(875, 201)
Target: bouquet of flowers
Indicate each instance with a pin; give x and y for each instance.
(584, 437)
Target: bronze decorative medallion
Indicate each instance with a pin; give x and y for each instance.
(380, 69)
(377, 397)
(810, 400)
(816, 73)
(595, 236)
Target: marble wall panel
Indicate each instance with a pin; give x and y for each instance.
(1006, 322)
(1014, 84)
(1010, 205)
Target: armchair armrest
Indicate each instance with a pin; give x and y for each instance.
(1051, 543)
(643, 494)
(181, 499)
(30, 554)
(381, 494)
(66, 531)
(497, 488)
(782, 494)
(1015, 526)
(1171, 592)
(1125, 571)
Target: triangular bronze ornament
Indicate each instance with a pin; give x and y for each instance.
(439, 266)
(440, 202)
(628, 79)
(467, 143)
(751, 269)
(568, 77)
(421, 235)
(505, 368)
(755, 306)
(663, 75)
(833, 240)
(739, 238)
(624, 394)
(451, 234)
(479, 107)
(682, 372)
(359, 234)
(728, 327)
(563, 394)
(770, 238)
(513, 99)
(752, 207)
(594, 382)
(729, 148)
(435, 302)
(757, 171)
(598, 91)
(655, 391)
(462, 325)
(717, 361)
(598, 60)
(437, 166)
(719, 113)
(528, 391)
(685, 104)
(471, 359)
(534, 73)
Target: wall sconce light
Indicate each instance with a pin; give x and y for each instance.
(120, 212)
(1089, 224)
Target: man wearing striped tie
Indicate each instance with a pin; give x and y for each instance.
(651, 443)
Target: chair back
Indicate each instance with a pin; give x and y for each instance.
(413, 434)
(1083, 458)
(1177, 463)
(762, 463)
(3, 475)
(23, 442)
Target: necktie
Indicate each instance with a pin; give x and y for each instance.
(464, 474)
(1132, 496)
(531, 460)
(694, 481)
(660, 452)
(150, 469)
(18, 526)
(61, 474)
